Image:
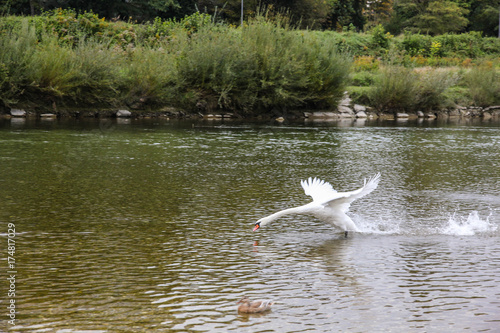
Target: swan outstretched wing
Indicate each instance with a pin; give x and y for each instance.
(343, 200)
(318, 189)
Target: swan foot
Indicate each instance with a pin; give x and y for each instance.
(345, 234)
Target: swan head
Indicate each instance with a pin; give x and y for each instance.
(263, 221)
(257, 226)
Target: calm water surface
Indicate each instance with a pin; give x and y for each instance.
(146, 226)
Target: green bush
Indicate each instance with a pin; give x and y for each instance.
(359, 95)
(379, 37)
(363, 79)
(483, 83)
(209, 68)
(86, 74)
(395, 89)
(366, 63)
(404, 89)
(160, 30)
(431, 89)
(471, 45)
(348, 42)
(17, 53)
(416, 44)
(48, 72)
(148, 77)
(261, 67)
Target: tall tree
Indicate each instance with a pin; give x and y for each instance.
(137, 9)
(429, 16)
(343, 13)
(19, 7)
(484, 16)
(441, 17)
(304, 13)
(309, 13)
(378, 12)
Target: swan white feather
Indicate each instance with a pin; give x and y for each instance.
(328, 205)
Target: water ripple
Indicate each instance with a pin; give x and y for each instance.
(148, 228)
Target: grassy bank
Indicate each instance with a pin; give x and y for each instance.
(395, 88)
(195, 65)
(63, 60)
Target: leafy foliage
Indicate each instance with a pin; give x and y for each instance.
(438, 17)
(262, 67)
(441, 17)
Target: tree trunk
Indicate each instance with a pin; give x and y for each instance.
(32, 7)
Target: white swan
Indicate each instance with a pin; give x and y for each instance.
(328, 205)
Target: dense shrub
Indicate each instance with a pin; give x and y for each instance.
(380, 38)
(363, 79)
(483, 85)
(16, 55)
(415, 44)
(403, 89)
(366, 63)
(261, 67)
(432, 86)
(395, 89)
(196, 63)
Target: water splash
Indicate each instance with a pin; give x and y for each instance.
(456, 225)
(468, 226)
(382, 226)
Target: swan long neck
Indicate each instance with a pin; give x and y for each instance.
(277, 215)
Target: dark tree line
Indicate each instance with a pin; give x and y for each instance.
(425, 16)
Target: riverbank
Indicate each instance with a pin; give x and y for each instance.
(346, 109)
(66, 64)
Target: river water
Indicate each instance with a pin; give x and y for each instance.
(146, 226)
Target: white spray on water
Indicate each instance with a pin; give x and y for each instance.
(456, 225)
(472, 224)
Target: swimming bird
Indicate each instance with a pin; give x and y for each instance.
(248, 306)
(328, 205)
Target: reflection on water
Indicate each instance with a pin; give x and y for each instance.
(146, 226)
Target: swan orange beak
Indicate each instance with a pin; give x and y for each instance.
(257, 226)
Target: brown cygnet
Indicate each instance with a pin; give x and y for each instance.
(248, 306)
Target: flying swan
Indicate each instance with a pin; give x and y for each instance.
(328, 205)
